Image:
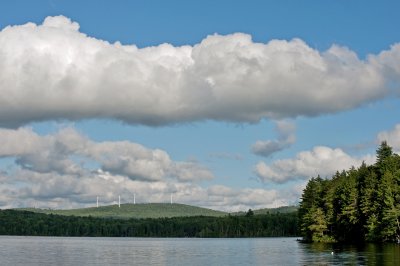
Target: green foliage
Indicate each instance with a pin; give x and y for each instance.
(249, 213)
(282, 209)
(383, 152)
(357, 205)
(15, 222)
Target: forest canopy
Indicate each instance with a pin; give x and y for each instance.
(17, 222)
(357, 205)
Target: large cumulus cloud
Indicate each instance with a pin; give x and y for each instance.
(54, 71)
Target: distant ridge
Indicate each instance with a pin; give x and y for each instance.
(153, 210)
(140, 211)
(282, 209)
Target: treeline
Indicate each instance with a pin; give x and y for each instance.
(358, 205)
(13, 222)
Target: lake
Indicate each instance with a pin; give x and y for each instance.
(19, 250)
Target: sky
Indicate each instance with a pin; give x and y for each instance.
(228, 105)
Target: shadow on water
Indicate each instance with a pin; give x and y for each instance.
(341, 254)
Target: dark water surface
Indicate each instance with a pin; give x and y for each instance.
(15, 250)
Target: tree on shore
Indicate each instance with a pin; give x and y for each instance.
(357, 205)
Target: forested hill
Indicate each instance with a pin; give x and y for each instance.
(153, 210)
(358, 205)
(150, 220)
(148, 210)
(282, 209)
(15, 222)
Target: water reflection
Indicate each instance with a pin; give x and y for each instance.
(339, 254)
(147, 251)
(168, 251)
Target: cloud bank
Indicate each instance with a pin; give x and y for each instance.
(70, 153)
(321, 160)
(67, 169)
(54, 71)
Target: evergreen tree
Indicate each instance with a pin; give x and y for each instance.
(311, 209)
(318, 225)
(382, 154)
(249, 213)
(388, 213)
(369, 206)
(358, 205)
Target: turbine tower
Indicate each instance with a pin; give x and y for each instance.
(119, 201)
(134, 199)
(97, 203)
(171, 198)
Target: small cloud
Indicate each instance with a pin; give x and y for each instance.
(268, 148)
(392, 137)
(286, 137)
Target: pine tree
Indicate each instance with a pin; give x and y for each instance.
(345, 216)
(311, 210)
(318, 225)
(388, 214)
(358, 205)
(369, 206)
(382, 154)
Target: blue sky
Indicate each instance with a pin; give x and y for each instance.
(225, 104)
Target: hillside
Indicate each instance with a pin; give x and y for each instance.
(283, 209)
(149, 210)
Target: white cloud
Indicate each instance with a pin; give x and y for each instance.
(66, 169)
(392, 137)
(52, 190)
(53, 71)
(323, 161)
(286, 137)
(67, 151)
(220, 197)
(388, 61)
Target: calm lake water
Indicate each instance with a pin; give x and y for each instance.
(187, 251)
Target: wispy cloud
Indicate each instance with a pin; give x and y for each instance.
(227, 156)
(286, 137)
(58, 72)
